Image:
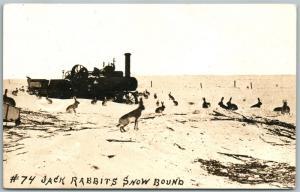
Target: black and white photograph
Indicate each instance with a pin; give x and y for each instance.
(149, 96)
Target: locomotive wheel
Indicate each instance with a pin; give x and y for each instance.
(79, 72)
(68, 75)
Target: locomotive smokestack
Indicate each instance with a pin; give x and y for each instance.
(127, 64)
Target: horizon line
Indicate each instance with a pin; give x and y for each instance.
(170, 75)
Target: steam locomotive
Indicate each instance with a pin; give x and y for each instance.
(80, 82)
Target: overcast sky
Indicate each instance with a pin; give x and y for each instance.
(42, 40)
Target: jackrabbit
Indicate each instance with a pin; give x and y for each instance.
(221, 104)
(22, 89)
(160, 109)
(8, 100)
(257, 105)
(15, 92)
(205, 104)
(284, 109)
(231, 106)
(132, 116)
(72, 107)
(147, 92)
(171, 97)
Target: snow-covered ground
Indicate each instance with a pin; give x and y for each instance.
(186, 142)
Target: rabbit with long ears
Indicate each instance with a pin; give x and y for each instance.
(15, 92)
(257, 105)
(284, 109)
(171, 97)
(205, 104)
(8, 100)
(160, 109)
(221, 104)
(72, 107)
(22, 89)
(147, 92)
(132, 116)
(231, 106)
